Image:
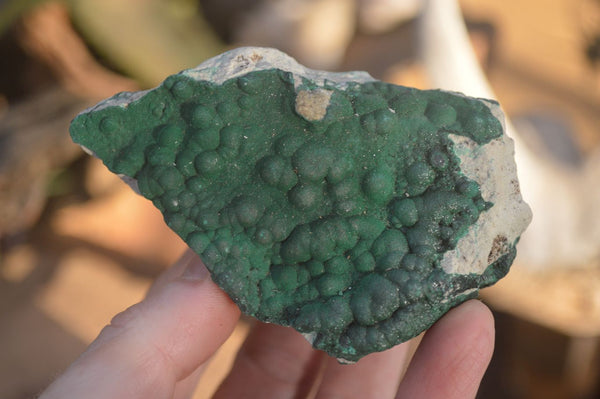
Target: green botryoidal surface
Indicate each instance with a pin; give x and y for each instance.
(331, 222)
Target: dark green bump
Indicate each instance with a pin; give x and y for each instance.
(389, 241)
(378, 185)
(368, 123)
(169, 178)
(349, 207)
(303, 274)
(271, 168)
(390, 261)
(196, 184)
(483, 129)
(169, 136)
(309, 318)
(322, 245)
(285, 277)
(441, 114)
(130, 161)
(336, 314)
(414, 289)
(182, 89)
(230, 140)
(185, 162)
(272, 306)
(174, 219)
(345, 235)
(158, 110)
(267, 286)
(356, 337)
(340, 169)
(187, 200)
(263, 236)
(228, 109)
(208, 139)
(376, 339)
(403, 212)
(332, 284)
(367, 227)
(419, 176)
(109, 125)
(246, 103)
(421, 236)
(312, 161)
(207, 220)
(413, 262)
(438, 160)
(248, 211)
(398, 276)
(468, 188)
(315, 268)
(306, 293)
(208, 163)
(306, 196)
(374, 299)
(288, 179)
(157, 155)
(385, 121)
(203, 117)
(278, 226)
(346, 189)
(287, 144)
(339, 265)
(198, 241)
(249, 85)
(368, 103)
(148, 185)
(170, 202)
(365, 262)
(409, 103)
(296, 248)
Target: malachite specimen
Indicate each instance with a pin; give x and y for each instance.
(357, 212)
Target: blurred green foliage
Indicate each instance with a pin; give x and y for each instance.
(10, 10)
(146, 40)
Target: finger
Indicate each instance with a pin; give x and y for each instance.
(374, 376)
(185, 388)
(453, 355)
(151, 346)
(274, 362)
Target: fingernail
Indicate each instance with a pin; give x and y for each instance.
(195, 270)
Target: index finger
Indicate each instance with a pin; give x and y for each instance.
(154, 344)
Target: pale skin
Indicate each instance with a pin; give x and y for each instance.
(159, 348)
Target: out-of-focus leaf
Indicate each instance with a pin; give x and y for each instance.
(146, 39)
(12, 9)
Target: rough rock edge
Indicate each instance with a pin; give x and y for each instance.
(241, 61)
(493, 167)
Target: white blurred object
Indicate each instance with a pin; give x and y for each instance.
(379, 16)
(315, 32)
(565, 231)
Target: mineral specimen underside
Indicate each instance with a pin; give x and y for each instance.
(355, 211)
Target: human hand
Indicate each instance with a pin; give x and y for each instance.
(159, 348)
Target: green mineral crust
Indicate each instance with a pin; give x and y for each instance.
(355, 211)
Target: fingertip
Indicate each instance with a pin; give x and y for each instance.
(473, 321)
(453, 356)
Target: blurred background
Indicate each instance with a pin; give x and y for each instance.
(78, 246)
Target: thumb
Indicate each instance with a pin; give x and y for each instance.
(154, 344)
